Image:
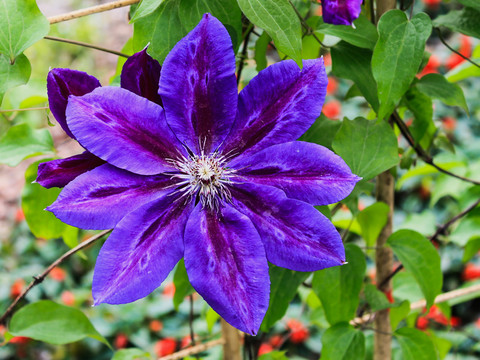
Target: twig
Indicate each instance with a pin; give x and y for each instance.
(442, 39)
(454, 294)
(422, 153)
(91, 10)
(80, 43)
(307, 27)
(243, 55)
(440, 230)
(193, 350)
(39, 278)
(26, 109)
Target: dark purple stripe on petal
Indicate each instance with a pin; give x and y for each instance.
(140, 75)
(124, 129)
(61, 83)
(296, 236)
(198, 86)
(277, 106)
(58, 173)
(304, 171)
(100, 198)
(341, 12)
(226, 264)
(140, 252)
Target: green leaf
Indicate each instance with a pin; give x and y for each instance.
(131, 354)
(21, 142)
(274, 355)
(419, 257)
(442, 346)
(280, 21)
(437, 87)
(372, 220)
(146, 7)
(398, 55)
(363, 35)
(467, 229)
(261, 46)
(354, 63)
(423, 128)
(464, 21)
(342, 341)
(464, 71)
(35, 198)
(405, 287)
(368, 147)
(399, 313)
(375, 298)
(22, 25)
(283, 287)
(13, 75)
(471, 249)
(53, 323)
(415, 344)
(322, 131)
(211, 318)
(471, 3)
(173, 19)
(182, 284)
(339, 287)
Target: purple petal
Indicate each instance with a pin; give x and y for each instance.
(100, 198)
(198, 86)
(277, 106)
(61, 83)
(124, 129)
(226, 264)
(304, 171)
(140, 252)
(58, 173)
(296, 236)
(140, 75)
(341, 12)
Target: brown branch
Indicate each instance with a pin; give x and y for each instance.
(309, 30)
(193, 350)
(422, 153)
(444, 42)
(440, 231)
(454, 294)
(80, 43)
(39, 278)
(91, 10)
(243, 55)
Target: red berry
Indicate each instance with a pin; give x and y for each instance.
(169, 290)
(156, 325)
(298, 332)
(58, 274)
(276, 341)
(332, 109)
(17, 288)
(264, 349)
(332, 86)
(422, 323)
(21, 340)
(165, 347)
(470, 272)
(68, 298)
(19, 215)
(449, 123)
(432, 3)
(121, 341)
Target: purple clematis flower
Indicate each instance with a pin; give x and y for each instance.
(210, 175)
(140, 74)
(341, 12)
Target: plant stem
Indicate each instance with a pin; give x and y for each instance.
(243, 55)
(75, 42)
(232, 344)
(39, 278)
(442, 39)
(91, 10)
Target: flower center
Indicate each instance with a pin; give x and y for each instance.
(206, 177)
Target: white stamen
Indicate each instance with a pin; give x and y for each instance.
(205, 176)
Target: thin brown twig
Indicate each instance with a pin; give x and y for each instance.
(440, 231)
(422, 153)
(39, 278)
(91, 46)
(309, 30)
(91, 10)
(454, 294)
(444, 42)
(243, 55)
(193, 350)
(26, 109)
